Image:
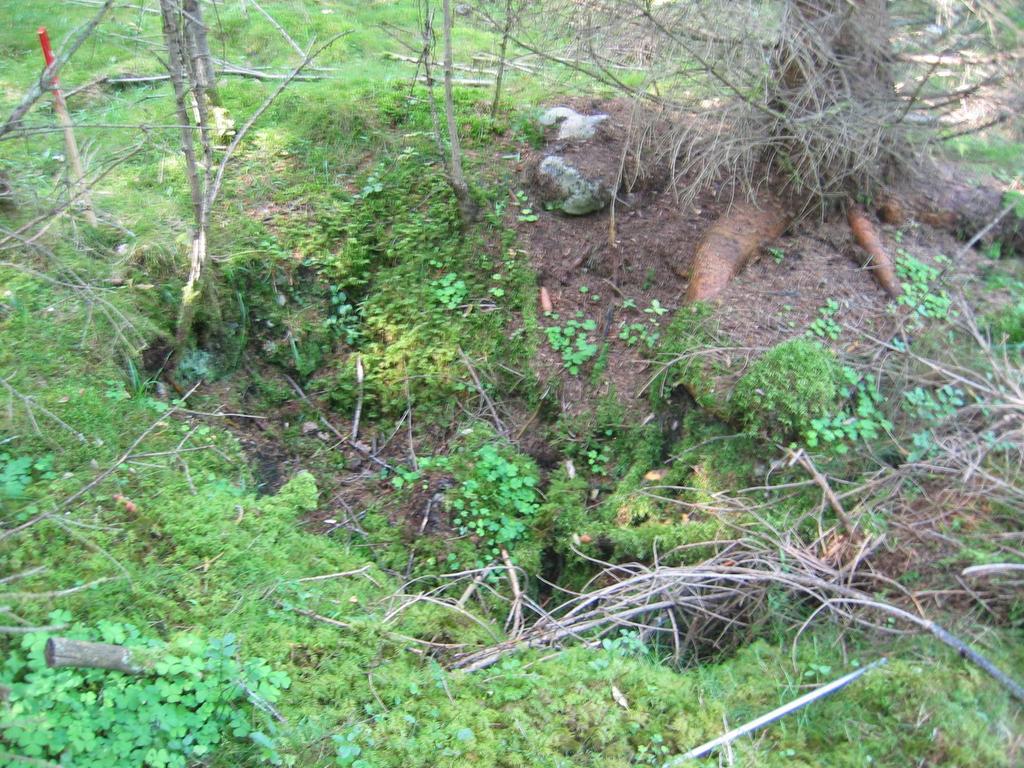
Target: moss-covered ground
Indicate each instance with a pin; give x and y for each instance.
(342, 280)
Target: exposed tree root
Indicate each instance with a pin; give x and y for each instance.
(956, 206)
(731, 243)
(879, 261)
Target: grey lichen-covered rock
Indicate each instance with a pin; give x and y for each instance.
(563, 186)
(572, 126)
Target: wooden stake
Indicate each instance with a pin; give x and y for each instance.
(75, 173)
(64, 652)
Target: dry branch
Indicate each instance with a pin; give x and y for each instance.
(770, 717)
(65, 652)
(709, 603)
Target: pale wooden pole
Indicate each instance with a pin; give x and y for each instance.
(76, 176)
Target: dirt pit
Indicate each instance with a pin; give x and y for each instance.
(641, 278)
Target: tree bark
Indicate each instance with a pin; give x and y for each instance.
(200, 60)
(731, 242)
(176, 39)
(467, 206)
(64, 652)
(502, 53)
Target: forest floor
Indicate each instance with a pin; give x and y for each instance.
(381, 460)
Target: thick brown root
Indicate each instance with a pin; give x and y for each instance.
(731, 243)
(878, 261)
(950, 203)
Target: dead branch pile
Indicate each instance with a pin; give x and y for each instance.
(829, 97)
(712, 606)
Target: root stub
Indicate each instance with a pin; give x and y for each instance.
(878, 261)
(731, 243)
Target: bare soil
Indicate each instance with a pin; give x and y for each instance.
(775, 297)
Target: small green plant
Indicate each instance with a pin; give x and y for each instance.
(195, 364)
(864, 421)
(449, 290)
(495, 500)
(571, 341)
(1006, 324)
(372, 186)
(825, 326)
(919, 291)
(655, 752)
(778, 254)
(931, 408)
(628, 643)
(116, 390)
(639, 333)
(343, 321)
(656, 309)
(597, 460)
(349, 746)
(526, 213)
(196, 695)
(17, 473)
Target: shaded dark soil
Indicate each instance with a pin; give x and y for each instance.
(777, 296)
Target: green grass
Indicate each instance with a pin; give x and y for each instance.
(187, 543)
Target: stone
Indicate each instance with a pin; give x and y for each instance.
(572, 126)
(564, 187)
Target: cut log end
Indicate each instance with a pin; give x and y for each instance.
(729, 245)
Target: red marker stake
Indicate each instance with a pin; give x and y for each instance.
(75, 172)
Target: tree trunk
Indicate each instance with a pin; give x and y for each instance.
(170, 12)
(180, 57)
(502, 53)
(837, 124)
(200, 60)
(467, 206)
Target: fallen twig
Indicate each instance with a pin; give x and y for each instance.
(50, 73)
(804, 461)
(338, 575)
(992, 569)
(776, 714)
(515, 615)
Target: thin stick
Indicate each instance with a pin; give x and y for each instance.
(361, 449)
(76, 176)
(55, 593)
(516, 613)
(487, 401)
(338, 575)
(124, 456)
(359, 400)
(50, 73)
(473, 585)
(31, 403)
(804, 461)
(966, 652)
(279, 28)
(992, 569)
(775, 714)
